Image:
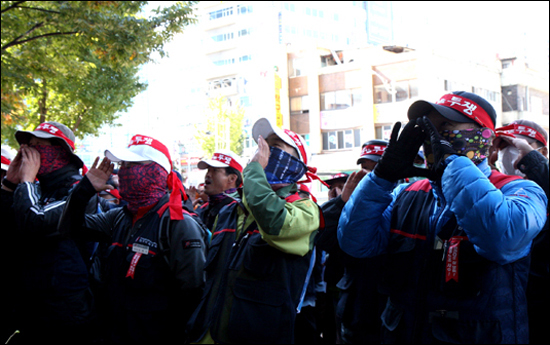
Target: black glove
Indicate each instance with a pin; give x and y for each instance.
(441, 148)
(397, 161)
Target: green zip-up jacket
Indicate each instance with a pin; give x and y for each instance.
(288, 227)
(257, 265)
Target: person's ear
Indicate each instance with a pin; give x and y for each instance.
(544, 151)
(232, 178)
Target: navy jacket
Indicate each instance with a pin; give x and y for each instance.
(418, 227)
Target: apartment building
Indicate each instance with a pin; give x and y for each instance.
(525, 93)
(341, 99)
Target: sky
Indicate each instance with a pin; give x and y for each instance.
(474, 27)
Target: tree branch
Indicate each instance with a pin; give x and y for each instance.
(39, 9)
(12, 6)
(14, 43)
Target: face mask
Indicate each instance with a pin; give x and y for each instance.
(283, 168)
(52, 158)
(506, 158)
(142, 185)
(473, 143)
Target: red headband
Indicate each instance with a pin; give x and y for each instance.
(5, 161)
(226, 159)
(516, 128)
(157, 145)
(51, 129)
(298, 143)
(373, 150)
(310, 173)
(468, 108)
(114, 193)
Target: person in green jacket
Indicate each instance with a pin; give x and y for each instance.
(261, 251)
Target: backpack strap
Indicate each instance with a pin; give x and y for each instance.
(164, 235)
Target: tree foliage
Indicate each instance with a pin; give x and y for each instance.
(222, 128)
(77, 62)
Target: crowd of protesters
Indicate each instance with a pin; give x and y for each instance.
(441, 236)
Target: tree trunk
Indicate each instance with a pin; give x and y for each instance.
(78, 121)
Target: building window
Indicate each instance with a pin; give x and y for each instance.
(356, 97)
(383, 132)
(221, 13)
(224, 62)
(295, 67)
(404, 90)
(341, 99)
(244, 32)
(299, 104)
(245, 101)
(223, 37)
(245, 58)
(244, 9)
(221, 83)
(413, 88)
(341, 139)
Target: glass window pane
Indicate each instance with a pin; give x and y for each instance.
(348, 139)
(378, 132)
(357, 97)
(381, 95)
(402, 91)
(328, 101)
(343, 99)
(325, 141)
(332, 140)
(413, 86)
(340, 139)
(357, 137)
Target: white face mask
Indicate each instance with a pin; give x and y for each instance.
(506, 158)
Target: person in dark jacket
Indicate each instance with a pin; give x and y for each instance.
(154, 273)
(359, 304)
(526, 155)
(45, 270)
(223, 177)
(456, 246)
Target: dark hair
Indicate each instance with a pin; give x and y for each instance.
(230, 170)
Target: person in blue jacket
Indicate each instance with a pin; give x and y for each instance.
(457, 244)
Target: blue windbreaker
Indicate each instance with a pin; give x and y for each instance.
(501, 223)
